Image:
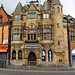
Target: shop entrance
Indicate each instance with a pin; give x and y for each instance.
(32, 59)
(73, 58)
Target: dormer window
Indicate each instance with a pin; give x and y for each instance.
(0, 19)
(31, 15)
(17, 17)
(46, 16)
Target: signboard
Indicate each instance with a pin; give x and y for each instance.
(31, 46)
(3, 48)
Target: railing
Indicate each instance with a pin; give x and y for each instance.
(35, 65)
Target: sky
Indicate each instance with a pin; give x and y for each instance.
(68, 6)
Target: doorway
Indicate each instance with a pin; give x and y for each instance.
(32, 59)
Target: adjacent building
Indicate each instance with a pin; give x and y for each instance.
(4, 34)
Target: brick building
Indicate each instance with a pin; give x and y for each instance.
(40, 33)
(4, 33)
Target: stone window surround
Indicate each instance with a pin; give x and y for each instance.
(50, 33)
(20, 33)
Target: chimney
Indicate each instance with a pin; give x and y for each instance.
(2, 6)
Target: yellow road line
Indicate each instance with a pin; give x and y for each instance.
(36, 71)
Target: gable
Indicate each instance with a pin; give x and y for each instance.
(32, 8)
(4, 16)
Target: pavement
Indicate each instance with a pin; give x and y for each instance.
(5, 71)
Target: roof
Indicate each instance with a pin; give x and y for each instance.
(37, 5)
(46, 6)
(19, 7)
(68, 18)
(55, 2)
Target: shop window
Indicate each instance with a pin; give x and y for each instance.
(43, 56)
(20, 55)
(50, 56)
(14, 54)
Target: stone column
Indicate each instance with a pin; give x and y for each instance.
(46, 56)
(16, 55)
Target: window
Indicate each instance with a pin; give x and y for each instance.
(57, 25)
(20, 55)
(43, 56)
(60, 60)
(72, 35)
(50, 56)
(31, 34)
(31, 15)
(18, 17)
(46, 33)
(15, 17)
(0, 20)
(28, 15)
(34, 15)
(50, 15)
(14, 54)
(46, 16)
(58, 42)
(58, 9)
(17, 34)
(53, 9)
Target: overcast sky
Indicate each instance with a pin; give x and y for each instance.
(68, 6)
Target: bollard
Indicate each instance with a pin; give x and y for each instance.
(29, 65)
(56, 66)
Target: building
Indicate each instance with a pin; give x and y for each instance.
(4, 33)
(40, 33)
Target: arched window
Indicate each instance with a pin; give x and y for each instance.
(50, 56)
(58, 9)
(20, 55)
(14, 54)
(53, 9)
(43, 56)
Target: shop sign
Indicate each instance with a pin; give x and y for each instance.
(31, 46)
(3, 48)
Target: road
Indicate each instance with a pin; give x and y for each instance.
(27, 72)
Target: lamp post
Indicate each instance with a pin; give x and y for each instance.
(69, 51)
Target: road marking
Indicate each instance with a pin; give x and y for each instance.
(4, 69)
